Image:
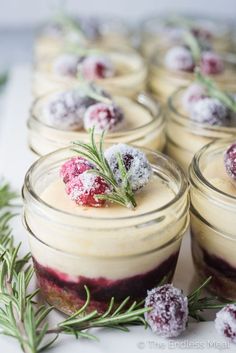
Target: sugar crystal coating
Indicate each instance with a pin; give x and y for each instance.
(96, 67)
(210, 111)
(211, 63)
(136, 164)
(169, 315)
(74, 167)
(230, 161)
(225, 322)
(103, 116)
(66, 65)
(191, 95)
(180, 59)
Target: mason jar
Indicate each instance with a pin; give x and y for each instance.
(213, 221)
(145, 126)
(163, 81)
(115, 252)
(158, 32)
(130, 78)
(185, 136)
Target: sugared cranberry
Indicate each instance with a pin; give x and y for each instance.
(211, 63)
(96, 67)
(210, 111)
(201, 33)
(230, 161)
(180, 59)
(66, 110)
(83, 189)
(103, 116)
(192, 94)
(74, 167)
(169, 314)
(225, 322)
(66, 65)
(136, 164)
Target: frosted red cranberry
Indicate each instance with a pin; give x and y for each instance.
(211, 63)
(180, 59)
(84, 188)
(96, 67)
(230, 161)
(169, 315)
(225, 322)
(201, 33)
(136, 164)
(103, 116)
(66, 110)
(210, 111)
(74, 167)
(66, 65)
(192, 94)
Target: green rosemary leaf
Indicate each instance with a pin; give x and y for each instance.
(193, 44)
(121, 306)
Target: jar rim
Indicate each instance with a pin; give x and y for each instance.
(195, 168)
(184, 120)
(183, 187)
(151, 104)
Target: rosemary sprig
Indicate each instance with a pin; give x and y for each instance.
(92, 91)
(193, 45)
(69, 24)
(3, 79)
(197, 304)
(215, 92)
(121, 194)
(6, 195)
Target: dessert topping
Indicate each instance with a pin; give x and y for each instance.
(65, 110)
(211, 63)
(74, 167)
(179, 58)
(102, 116)
(138, 168)
(225, 322)
(193, 94)
(230, 161)
(169, 314)
(96, 67)
(85, 188)
(66, 65)
(209, 111)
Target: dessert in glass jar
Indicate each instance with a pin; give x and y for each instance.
(67, 30)
(111, 219)
(174, 67)
(213, 208)
(118, 72)
(61, 117)
(197, 115)
(165, 31)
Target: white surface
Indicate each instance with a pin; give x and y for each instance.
(15, 158)
(24, 12)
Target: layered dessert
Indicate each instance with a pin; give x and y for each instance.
(197, 115)
(122, 73)
(109, 218)
(213, 221)
(66, 30)
(174, 67)
(166, 31)
(64, 116)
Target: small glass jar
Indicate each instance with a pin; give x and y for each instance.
(213, 224)
(149, 133)
(163, 82)
(112, 33)
(158, 33)
(112, 255)
(130, 78)
(184, 136)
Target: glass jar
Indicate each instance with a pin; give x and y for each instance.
(158, 32)
(130, 78)
(184, 136)
(112, 255)
(163, 82)
(213, 224)
(149, 133)
(108, 33)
